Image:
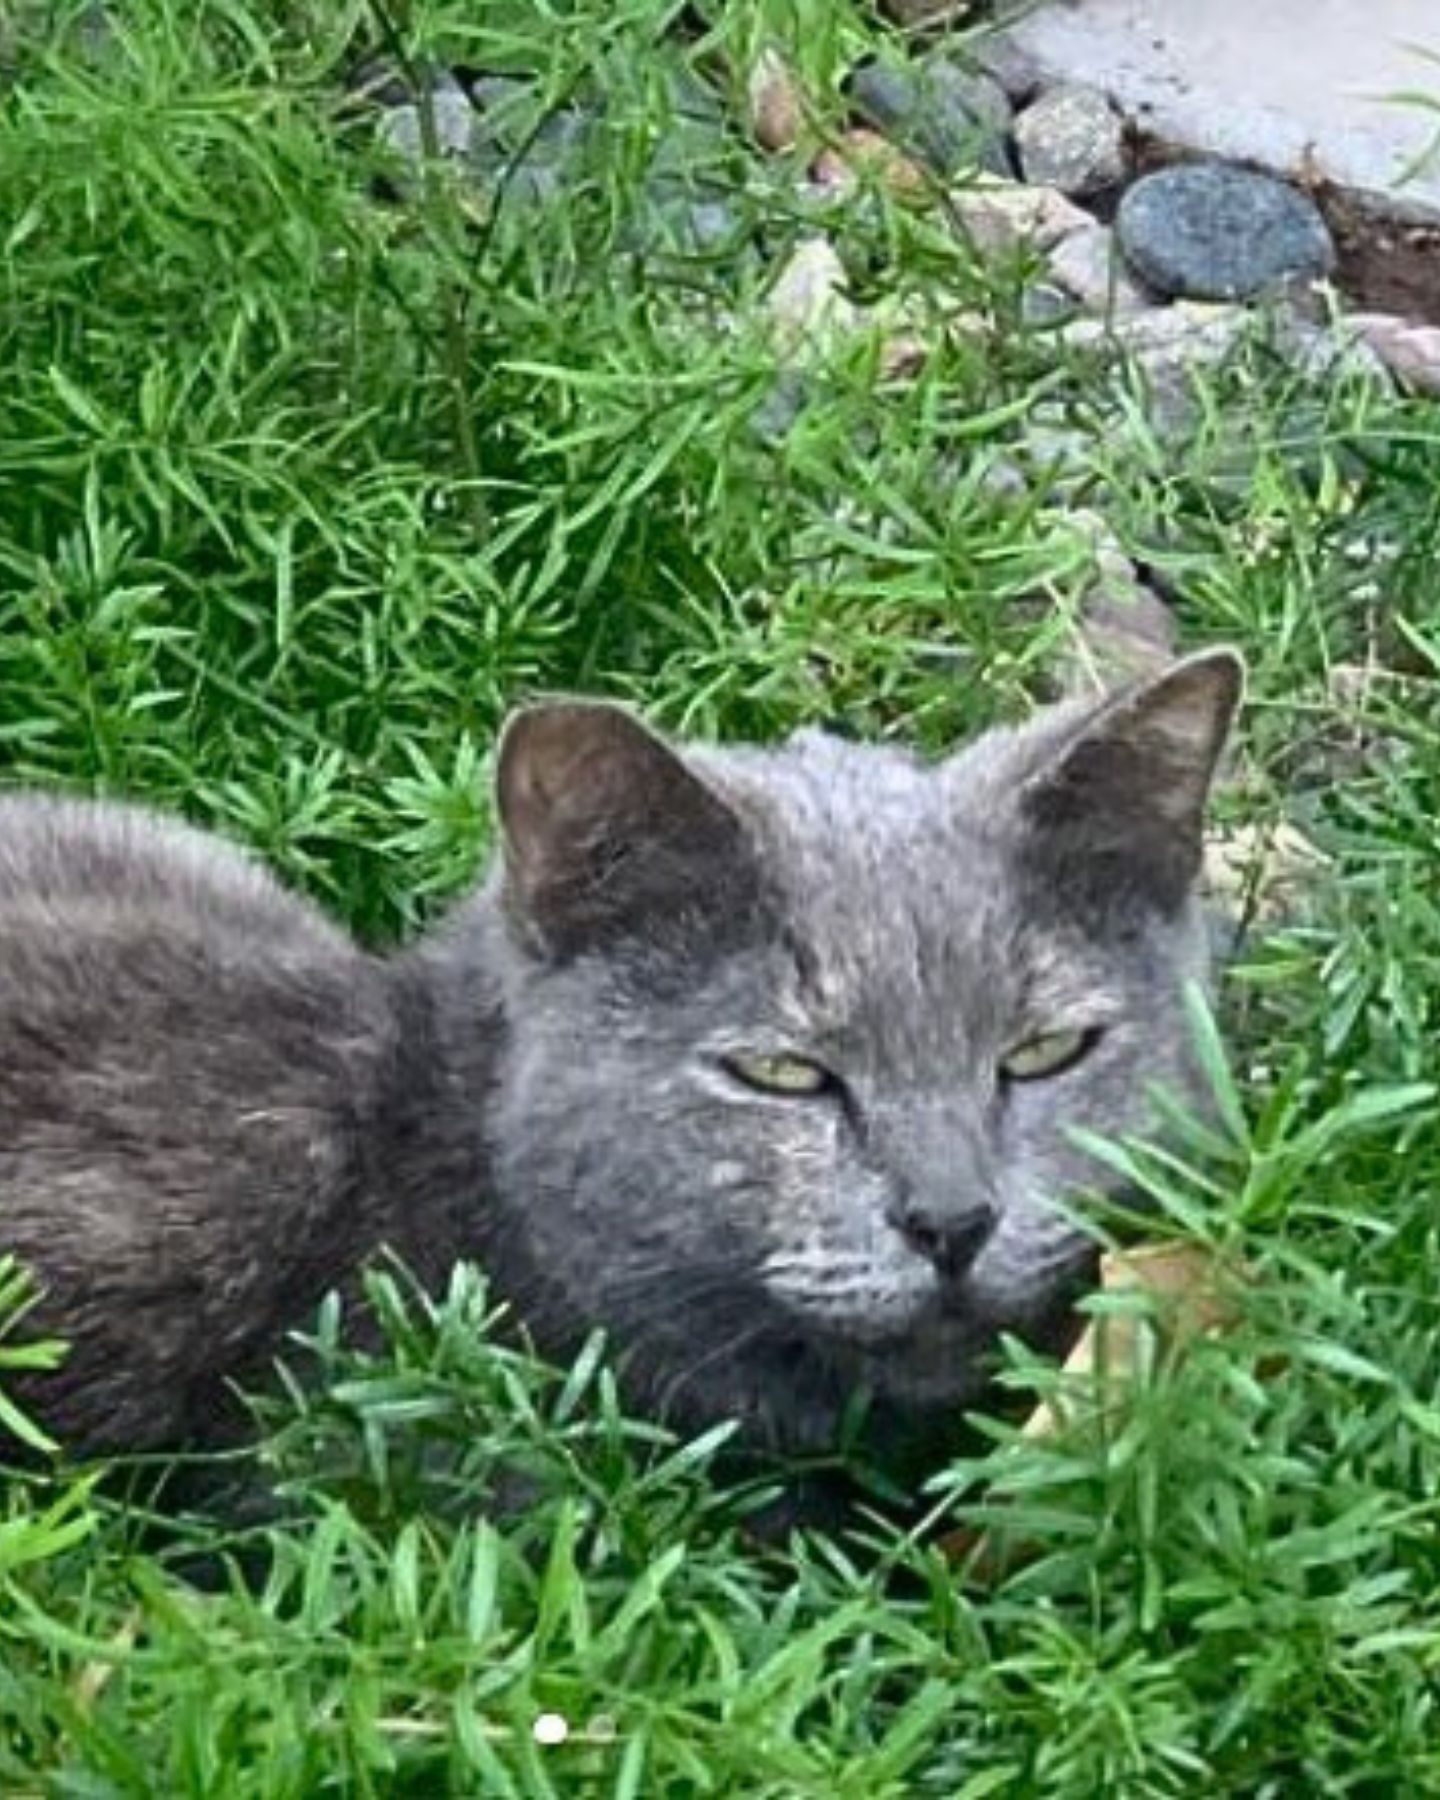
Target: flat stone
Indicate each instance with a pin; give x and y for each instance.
(1204, 334)
(1087, 264)
(402, 127)
(948, 117)
(1409, 351)
(1071, 138)
(808, 306)
(1265, 870)
(1291, 85)
(1210, 231)
(1001, 216)
(923, 14)
(1045, 304)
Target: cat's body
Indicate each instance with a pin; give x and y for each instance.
(736, 1056)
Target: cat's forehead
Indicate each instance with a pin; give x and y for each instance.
(903, 899)
(864, 838)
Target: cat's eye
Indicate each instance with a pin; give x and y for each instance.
(794, 1077)
(1051, 1053)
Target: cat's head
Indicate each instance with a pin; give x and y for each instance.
(799, 1037)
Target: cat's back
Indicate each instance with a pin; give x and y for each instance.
(76, 855)
(187, 1052)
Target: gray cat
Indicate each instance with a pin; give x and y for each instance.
(763, 1060)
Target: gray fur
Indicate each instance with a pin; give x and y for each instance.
(213, 1105)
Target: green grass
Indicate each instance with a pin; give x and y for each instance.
(299, 490)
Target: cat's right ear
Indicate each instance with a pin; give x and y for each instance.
(607, 833)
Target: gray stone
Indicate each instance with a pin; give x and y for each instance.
(929, 14)
(999, 217)
(1072, 139)
(950, 118)
(687, 219)
(1087, 265)
(1210, 231)
(1410, 351)
(1008, 62)
(402, 128)
(1044, 304)
(783, 402)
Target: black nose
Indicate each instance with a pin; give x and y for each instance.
(950, 1240)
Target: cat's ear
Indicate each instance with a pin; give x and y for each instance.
(1122, 798)
(607, 833)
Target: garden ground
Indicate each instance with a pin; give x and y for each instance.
(313, 458)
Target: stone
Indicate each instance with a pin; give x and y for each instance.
(928, 14)
(533, 156)
(950, 118)
(1169, 346)
(1410, 352)
(402, 128)
(1210, 231)
(808, 307)
(686, 219)
(1071, 138)
(782, 404)
(1263, 872)
(774, 103)
(859, 156)
(1326, 353)
(1044, 304)
(1004, 60)
(1002, 216)
(1280, 84)
(1087, 264)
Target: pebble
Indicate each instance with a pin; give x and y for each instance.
(1004, 59)
(1411, 352)
(859, 155)
(1169, 346)
(1043, 304)
(774, 103)
(950, 118)
(1124, 631)
(928, 13)
(1001, 216)
(1211, 231)
(1087, 264)
(1265, 871)
(402, 129)
(1071, 139)
(688, 219)
(808, 306)
(1188, 333)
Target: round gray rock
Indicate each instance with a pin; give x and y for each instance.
(1071, 139)
(1210, 231)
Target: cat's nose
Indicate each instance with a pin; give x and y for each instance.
(950, 1240)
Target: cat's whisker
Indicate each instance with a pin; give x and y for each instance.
(727, 1348)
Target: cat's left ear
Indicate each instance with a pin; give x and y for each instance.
(1123, 796)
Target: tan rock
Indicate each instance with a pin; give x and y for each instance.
(1002, 216)
(1262, 871)
(929, 13)
(774, 102)
(1191, 1294)
(861, 155)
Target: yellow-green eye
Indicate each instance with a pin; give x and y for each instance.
(793, 1076)
(1049, 1054)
